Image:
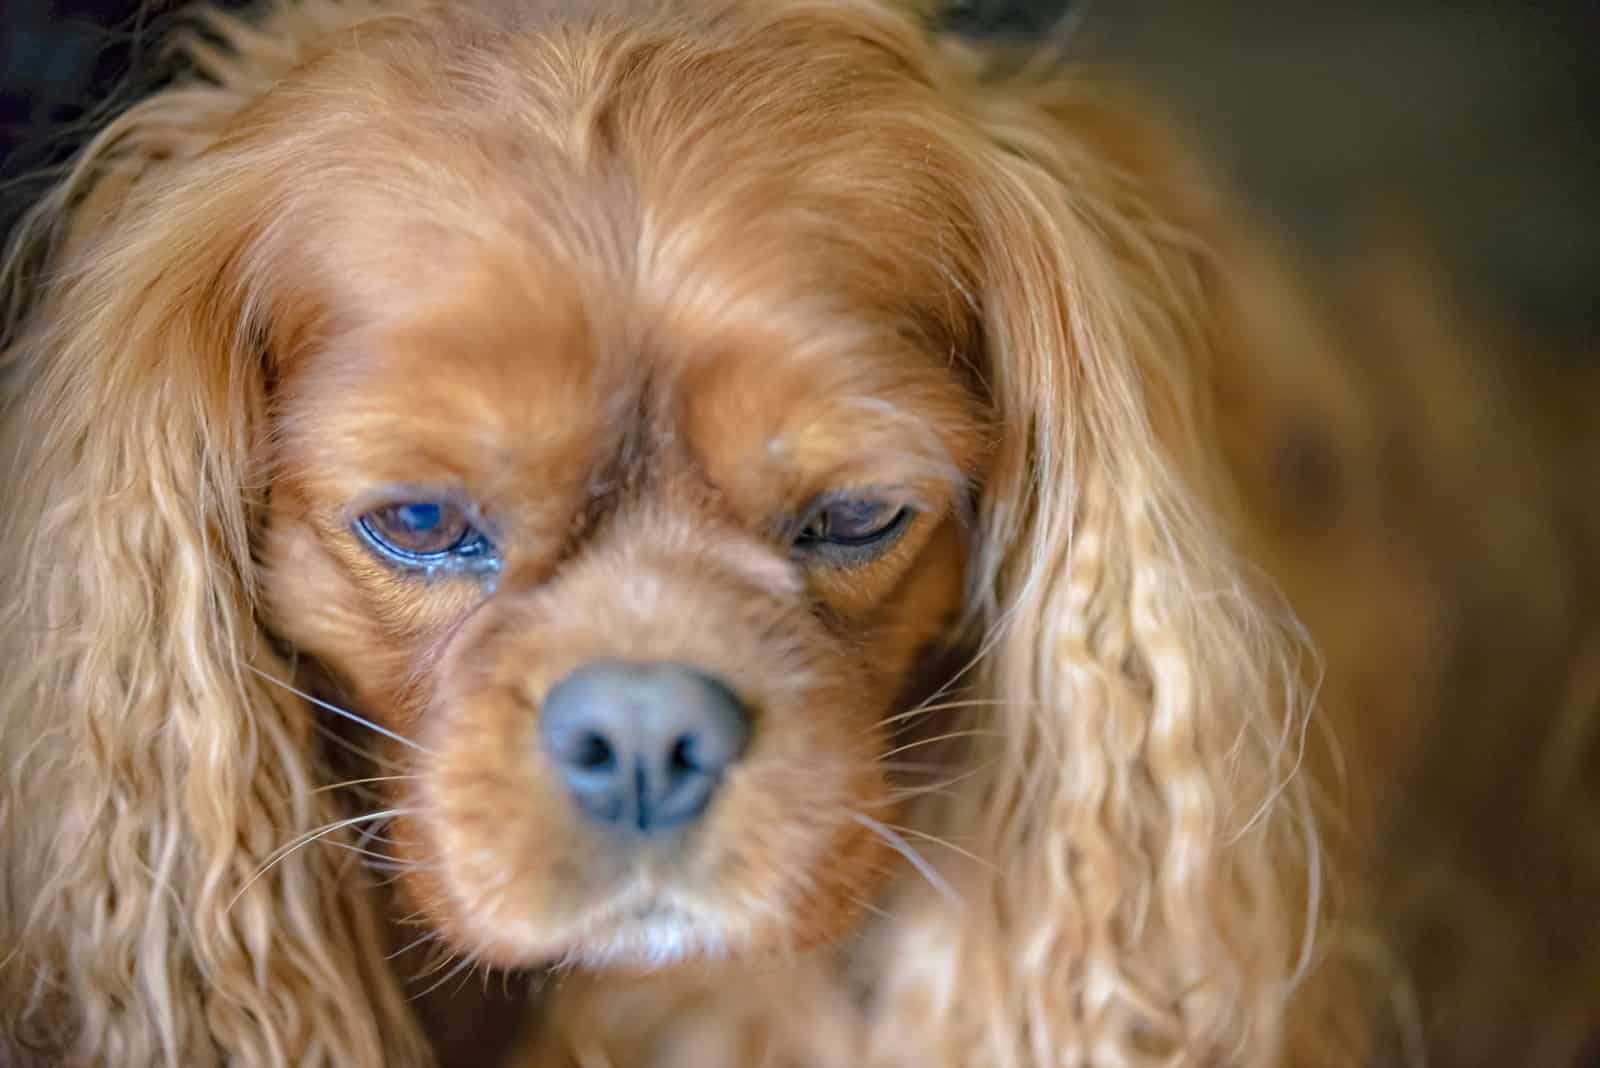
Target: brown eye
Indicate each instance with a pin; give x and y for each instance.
(417, 529)
(852, 522)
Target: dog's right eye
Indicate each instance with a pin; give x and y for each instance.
(420, 531)
(851, 521)
(850, 529)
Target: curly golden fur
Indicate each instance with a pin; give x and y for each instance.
(635, 278)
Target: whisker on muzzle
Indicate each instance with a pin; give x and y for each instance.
(363, 782)
(420, 940)
(465, 965)
(894, 841)
(306, 839)
(929, 789)
(928, 709)
(336, 710)
(945, 737)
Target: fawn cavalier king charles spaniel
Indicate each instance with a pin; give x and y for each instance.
(712, 515)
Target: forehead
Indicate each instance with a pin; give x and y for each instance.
(790, 143)
(578, 260)
(511, 383)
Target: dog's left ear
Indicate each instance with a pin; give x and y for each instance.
(1155, 863)
(150, 773)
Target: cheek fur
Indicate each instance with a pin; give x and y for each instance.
(366, 625)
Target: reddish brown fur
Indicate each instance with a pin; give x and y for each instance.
(638, 407)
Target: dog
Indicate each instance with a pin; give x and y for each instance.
(741, 511)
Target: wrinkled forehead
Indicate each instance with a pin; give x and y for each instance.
(800, 151)
(511, 378)
(773, 293)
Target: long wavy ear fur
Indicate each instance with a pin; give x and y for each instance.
(1156, 869)
(148, 774)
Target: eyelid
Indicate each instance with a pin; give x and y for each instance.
(904, 511)
(891, 497)
(832, 520)
(385, 494)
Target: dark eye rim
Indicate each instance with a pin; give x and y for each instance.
(472, 544)
(851, 550)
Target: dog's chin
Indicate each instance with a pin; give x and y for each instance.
(660, 934)
(641, 931)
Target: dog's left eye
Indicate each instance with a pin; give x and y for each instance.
(852, 522)
(420, 531)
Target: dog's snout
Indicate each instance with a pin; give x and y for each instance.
(642, 744)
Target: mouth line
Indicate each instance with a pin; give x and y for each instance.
(649, 932)
(646, 897)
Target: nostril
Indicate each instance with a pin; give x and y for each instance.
(683, 759)
(594, 753)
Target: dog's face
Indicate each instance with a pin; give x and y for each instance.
(622, 461)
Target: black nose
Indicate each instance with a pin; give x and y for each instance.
(642, 745)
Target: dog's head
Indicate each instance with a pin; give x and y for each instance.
(626, 411)
(625, 466)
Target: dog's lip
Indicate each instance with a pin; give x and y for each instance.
(650, 893)
(631, 924)
(647, 931)
(654, 911)
(648, 896)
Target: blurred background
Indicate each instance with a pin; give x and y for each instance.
(1422, 453)
(1478, 121)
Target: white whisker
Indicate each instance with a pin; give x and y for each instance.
(917, 860)
(943, 706)
(389, 863)
(466, 962)
(336, 710)
(935, 787)
(306, 839)
(359, 782)
(439, 957)
(426, 936)
(945, 842)
(869, 907)
(350, 747)
(948, 736)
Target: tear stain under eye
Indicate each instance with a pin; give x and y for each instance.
(486, 569)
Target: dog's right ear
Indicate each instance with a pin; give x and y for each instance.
(150, 774)
(1155, 874)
